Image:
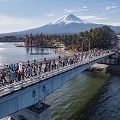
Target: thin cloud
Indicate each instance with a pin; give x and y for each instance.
(92, 18)
(108, 8)
(84, 6)
(113, 23)
(98, 20)
(80, 9)
(113, 11)
(101, 4)
(50, 14)
(70, 11)
(111, 7)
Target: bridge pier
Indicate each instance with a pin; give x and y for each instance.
(43, 112)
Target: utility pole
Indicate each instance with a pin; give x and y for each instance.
(89, 50)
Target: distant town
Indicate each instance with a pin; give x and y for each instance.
(12, 39)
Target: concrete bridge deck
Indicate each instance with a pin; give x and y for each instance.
(21, 94)
(4, 90)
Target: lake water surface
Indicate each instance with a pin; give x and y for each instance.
(9, 53)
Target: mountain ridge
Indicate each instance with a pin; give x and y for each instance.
(67, 19)
(68, 24)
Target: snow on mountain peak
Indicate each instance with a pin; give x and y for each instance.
(69, 19)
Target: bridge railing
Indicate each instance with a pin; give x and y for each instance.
(40, 77)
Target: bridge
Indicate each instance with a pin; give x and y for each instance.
(29, 91)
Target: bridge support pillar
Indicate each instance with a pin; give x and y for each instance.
(33, 113)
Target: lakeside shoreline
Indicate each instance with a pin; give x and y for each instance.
(23, 45)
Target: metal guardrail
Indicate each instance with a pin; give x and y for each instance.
(32, 80)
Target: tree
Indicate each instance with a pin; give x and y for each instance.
(100, 37)
(31, 39)
(27, 40)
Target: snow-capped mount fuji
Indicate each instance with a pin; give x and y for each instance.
(68, 24)
(68, 19)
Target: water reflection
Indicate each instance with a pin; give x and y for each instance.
(37, 50)
(27, 50)
(9, 53)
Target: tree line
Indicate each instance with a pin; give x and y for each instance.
(101, 37)
(41, 40)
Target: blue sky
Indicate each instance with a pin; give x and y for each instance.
(17, 15)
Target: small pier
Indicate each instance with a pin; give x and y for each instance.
(39, 53)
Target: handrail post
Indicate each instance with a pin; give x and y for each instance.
(31, 80)
(12, 87)
(22, 84)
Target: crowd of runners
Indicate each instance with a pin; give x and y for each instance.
(11, 73)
